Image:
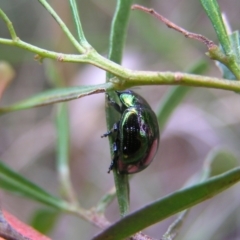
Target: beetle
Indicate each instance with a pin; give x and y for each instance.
(135, 135)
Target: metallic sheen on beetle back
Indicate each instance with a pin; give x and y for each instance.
(136, 134)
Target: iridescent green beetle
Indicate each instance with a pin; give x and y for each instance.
(136, 133)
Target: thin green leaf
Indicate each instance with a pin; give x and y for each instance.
(217, 162)
(13, 182)
(117, 40)
(235, 43)
(214, 13)
(169, 205)
(106, 200)
(118, 31)
(78, 25)
(122, 192)
(55, 96)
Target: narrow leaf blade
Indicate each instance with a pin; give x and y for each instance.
(169, 205)
(55, 96)
(15, 183)
(117, 40)
(213, 11)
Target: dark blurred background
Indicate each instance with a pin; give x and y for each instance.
(206, 119)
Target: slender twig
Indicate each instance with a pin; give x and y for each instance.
(140, 236)
(172, 25)
(43, 53)
(214, 51)
(106, 200)
(131, 78)
(91, 216)
(9, 25)
(172, 230)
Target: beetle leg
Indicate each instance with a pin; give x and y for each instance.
(114, 129)
(115, 158)
(114, 104)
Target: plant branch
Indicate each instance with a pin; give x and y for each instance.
(172, 230)
(91, 216)
(9, 25)
(214, 51)
(128, 77)
(43, 53)
(105, 201)
(172, 25)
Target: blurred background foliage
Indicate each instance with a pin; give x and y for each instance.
(206, 119)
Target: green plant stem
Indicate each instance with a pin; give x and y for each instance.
(43, 53)
(65, 29)
(82, 40)
(9, 24)
(92, 57)
(215, 52)
(129, 77)
(106, 200)
(172, 230)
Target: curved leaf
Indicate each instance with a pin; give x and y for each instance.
(55, 96)
(13, 182)
(169, 205)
